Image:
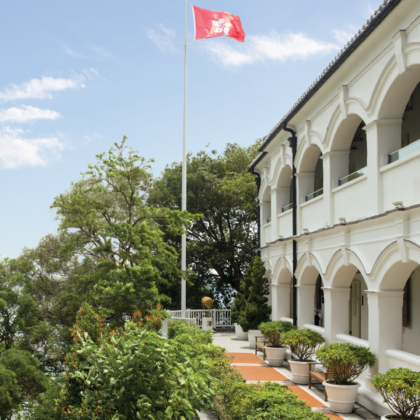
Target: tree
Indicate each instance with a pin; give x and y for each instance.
(108, 222)
(239, 306)
(256, 308)
(221, 243)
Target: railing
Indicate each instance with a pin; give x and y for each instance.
(220, 317)
(398, 358)
(405, 151)
(269, 219)
(315, 194)
(352, 176)
(315, 328)
(345, 338)
(286, 208)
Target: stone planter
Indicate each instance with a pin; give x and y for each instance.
(251, 337)
(240, 334)
(275, 355)
(300, 372)
(341, 397)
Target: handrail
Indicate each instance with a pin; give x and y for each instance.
(315, 194)
(352, 340)
(403, 356)
(352, 176)
(286, 319)
(404, 151)
(287, 208)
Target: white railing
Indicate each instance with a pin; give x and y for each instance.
(398, 358)
(220, 317)
(315, 328)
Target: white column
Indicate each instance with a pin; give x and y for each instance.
(305, 305)
(264, 206)
(336, 312)
(280, 303)
(383, 137)
(385, 326)
(274, 227)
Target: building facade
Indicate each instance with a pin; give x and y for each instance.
(357, 198)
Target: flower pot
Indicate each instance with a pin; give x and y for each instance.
(300, 371)
(240, 334)
(275, 355)
(251, 337)
(341, 397)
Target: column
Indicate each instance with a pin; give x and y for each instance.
(336, 312)
(274, 227)
(280, 303)
(265, 208)
(305, 305)
(385, 326)
(383, 137)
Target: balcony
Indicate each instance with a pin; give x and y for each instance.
(352, 176)
(268, 220)
(405, 151)
(287, 208)
(315, 194)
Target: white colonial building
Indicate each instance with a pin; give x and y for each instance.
(357, 212)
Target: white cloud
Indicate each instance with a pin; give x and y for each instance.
(272, 47)
(163, 39)
(27, 113)
(40, 88)
(101, 53)
(343, 36)
(16, 151)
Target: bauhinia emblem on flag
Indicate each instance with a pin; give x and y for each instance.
(210, 24)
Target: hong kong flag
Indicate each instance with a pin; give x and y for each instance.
(210, 24)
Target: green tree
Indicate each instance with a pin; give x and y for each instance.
(108, 222)
(222, 243)
(257, 310)
(239, 305)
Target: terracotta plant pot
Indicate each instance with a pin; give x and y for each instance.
(341, 397)
(240, 334)
(300, 372)
(251, 337)
(275, 355)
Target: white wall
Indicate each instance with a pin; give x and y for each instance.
(411, 334)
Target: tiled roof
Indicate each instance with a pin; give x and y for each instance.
(378, 16)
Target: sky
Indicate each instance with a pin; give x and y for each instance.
(78, 75)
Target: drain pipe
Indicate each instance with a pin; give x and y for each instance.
(258, 182)
(293, 146)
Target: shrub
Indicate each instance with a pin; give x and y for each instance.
(302, 343)
(345, 361)
(274, 330)
(256, 309)
(179, 329)
(400, 389)
(239, 305)
(140, 375)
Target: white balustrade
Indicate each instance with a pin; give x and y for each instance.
(221, 317)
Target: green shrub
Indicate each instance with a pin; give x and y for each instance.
(302, 343)
(274, 330)
(345, 361)
(256, 308)
(400, 389)
(140, 375)
(179, 329)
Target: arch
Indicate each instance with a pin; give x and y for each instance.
(285, 160)
(344, 132)
(342, 268)
(308, 269)
(303, 148)
(394, 265)
(282, 271)
(285, 177)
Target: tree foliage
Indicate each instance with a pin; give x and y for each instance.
(222, 243)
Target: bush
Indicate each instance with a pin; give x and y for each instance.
(274, 330)
(271, 401)
(302, 343)
(400, 389)
(345, 361)
(179, 329)
(256, 309)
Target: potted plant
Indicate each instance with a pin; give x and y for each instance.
(400, 389)
(273, 332)
(255, 311)
(302, 344)
(345, 362)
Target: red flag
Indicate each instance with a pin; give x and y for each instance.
(210, 24)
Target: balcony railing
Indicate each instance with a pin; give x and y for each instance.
(268, 219)
(310, 197)
(405, 151)
(287, 208)
(352, 176)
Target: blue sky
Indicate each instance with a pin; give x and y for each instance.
(78, 75)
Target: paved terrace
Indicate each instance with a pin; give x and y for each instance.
(255, 370)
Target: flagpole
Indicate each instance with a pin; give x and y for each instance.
(184, 179)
